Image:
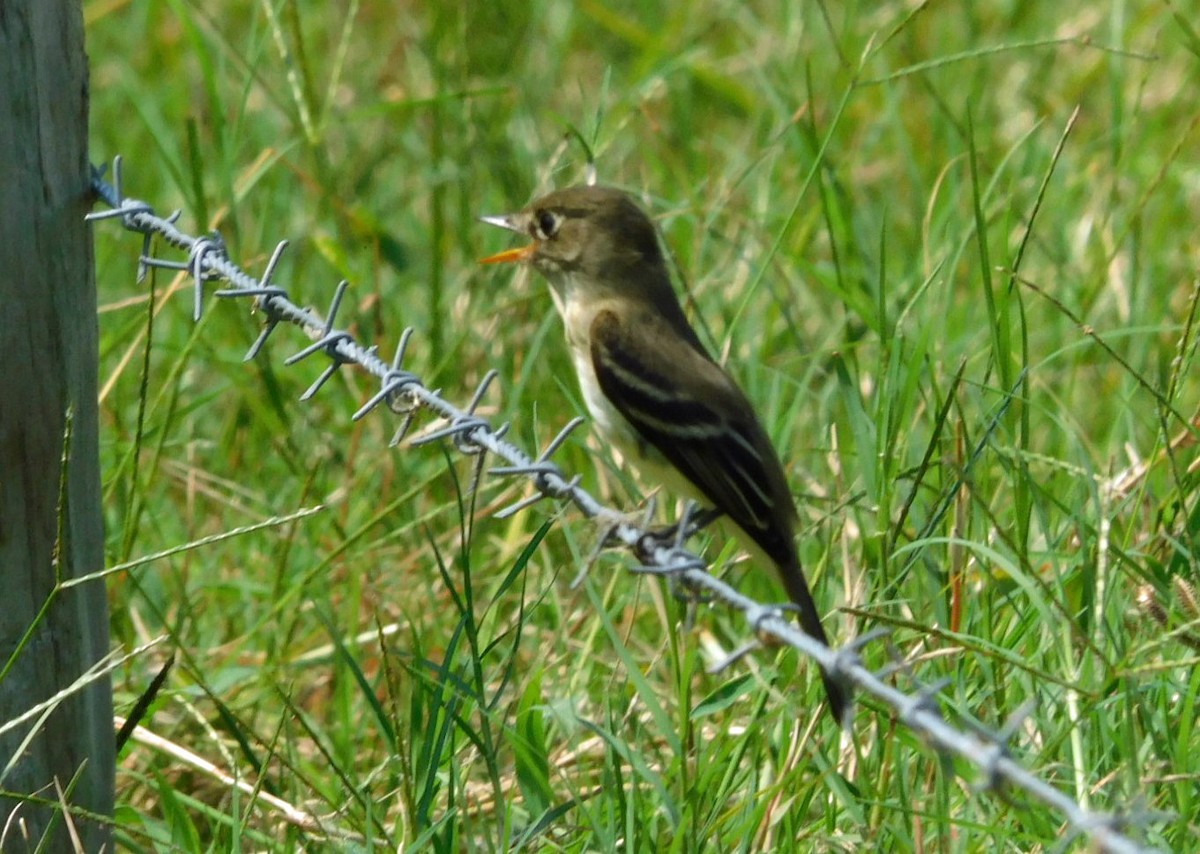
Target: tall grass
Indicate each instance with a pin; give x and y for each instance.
(948, 249)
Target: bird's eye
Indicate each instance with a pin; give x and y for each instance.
(546, 223)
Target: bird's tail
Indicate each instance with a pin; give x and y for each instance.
(810, 621)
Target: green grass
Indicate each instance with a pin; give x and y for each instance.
(949, 250)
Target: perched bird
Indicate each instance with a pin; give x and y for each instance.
(650, 386)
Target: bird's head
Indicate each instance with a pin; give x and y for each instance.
(585, 237)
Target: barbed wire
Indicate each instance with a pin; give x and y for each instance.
(404, 393)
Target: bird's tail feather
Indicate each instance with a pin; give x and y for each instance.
(810, 622)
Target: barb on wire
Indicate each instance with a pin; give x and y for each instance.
(539, 471)
(328, 343)
(264, 300)
(404, 393)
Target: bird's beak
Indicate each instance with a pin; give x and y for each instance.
(522, 253)
(503, 221)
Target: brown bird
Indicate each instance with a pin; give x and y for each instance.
(650, 386)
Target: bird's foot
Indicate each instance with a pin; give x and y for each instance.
(692, 522)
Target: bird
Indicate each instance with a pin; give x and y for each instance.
(650, 386)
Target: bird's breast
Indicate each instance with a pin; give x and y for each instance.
(613, 427)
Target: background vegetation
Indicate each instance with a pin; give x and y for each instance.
(949, 248)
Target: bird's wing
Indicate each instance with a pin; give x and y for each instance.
(686, 406)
